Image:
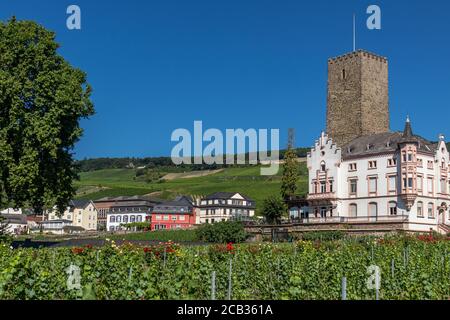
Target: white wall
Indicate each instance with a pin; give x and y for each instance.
(338, 171)
(115, 225)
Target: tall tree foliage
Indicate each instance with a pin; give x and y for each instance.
(42, 99)
(4, 236)
(290, 175)
(273, 209)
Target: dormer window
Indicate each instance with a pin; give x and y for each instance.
(419, 162)
(392, 162)
(372, 165)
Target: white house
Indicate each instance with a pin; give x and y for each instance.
(222, 206)
(82, 213)
(391, 176)
(126, 212)
(58, 226)
(116, 220)
(11, 211)
(15, 223)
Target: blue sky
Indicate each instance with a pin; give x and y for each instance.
(156, 66)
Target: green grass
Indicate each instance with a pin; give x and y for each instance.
(247, 180)
(166, 235)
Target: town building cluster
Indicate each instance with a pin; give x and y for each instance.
(361, 174)
(125, 213)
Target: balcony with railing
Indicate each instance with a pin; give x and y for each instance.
(364, 219)
(321, 196)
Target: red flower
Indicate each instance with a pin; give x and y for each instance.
(170, 250)
(89, 246)
(77, 250)
(427, 238)
(147, 250)
(230, 247)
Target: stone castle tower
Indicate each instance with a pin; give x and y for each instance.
(358, 98)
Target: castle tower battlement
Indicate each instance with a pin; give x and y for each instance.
(358, 96)
(360, 53)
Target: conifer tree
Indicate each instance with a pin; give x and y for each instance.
(290, 175)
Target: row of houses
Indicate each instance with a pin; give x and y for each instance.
(181, 213)
(118, 213)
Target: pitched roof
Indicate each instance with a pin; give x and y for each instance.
(407, 133)
(79, 203)
(182, 204)
(384, 142)
(15, 218)
(129, 198)
(225, 195)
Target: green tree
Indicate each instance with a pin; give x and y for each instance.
(4, 236)
(42, 100)
(290, 175)
(273, 209)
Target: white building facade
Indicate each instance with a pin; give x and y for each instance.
(117, 220)
(223, 206)
(131, 210)
(11, 211)
(392, 176)
(82, 213)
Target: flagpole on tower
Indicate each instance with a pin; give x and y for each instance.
(354, 33)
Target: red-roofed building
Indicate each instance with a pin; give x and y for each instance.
(177, 214)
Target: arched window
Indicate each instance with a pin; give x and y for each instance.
(112, 219)
(323, 166)
(430, 210)
(111, 228)
(139, 218)
(420, 209)
(119, 219)
(373, 210)
(125, 219)
(393, 208)
(133, 219)
(353, 210)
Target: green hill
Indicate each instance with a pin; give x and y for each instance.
(123, 182)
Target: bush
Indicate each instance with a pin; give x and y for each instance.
(323, 235)
(222, 232)
(139, 226)
(152, 176)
